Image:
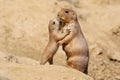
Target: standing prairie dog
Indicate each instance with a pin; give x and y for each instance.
(55, 35)
(74, 44)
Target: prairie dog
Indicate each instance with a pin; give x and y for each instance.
(55, 35)
(74, 44)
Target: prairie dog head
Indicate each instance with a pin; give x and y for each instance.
(67, 15)
(54, 24)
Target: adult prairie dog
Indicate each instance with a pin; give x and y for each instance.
(74, 44)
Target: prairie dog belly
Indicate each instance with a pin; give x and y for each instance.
(77, 46)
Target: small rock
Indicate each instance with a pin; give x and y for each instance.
(117, 78)
(114, 56)
(116, 31)
(11, 58)
(96, 50)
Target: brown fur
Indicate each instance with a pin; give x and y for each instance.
(74, 44)
(54, 36)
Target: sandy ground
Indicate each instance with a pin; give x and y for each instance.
(23, 72)
(19, 68)
(23, 31)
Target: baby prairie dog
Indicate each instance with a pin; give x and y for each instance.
(55, 34)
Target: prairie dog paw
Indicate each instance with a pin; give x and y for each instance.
(60, 42)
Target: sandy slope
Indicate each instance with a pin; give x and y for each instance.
(19, 68)
(23, 31)
(23, 72)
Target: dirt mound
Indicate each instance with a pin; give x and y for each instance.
(17, 68)
(24, 72)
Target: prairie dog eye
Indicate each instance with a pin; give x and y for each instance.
(66, 11)
(53, 23)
